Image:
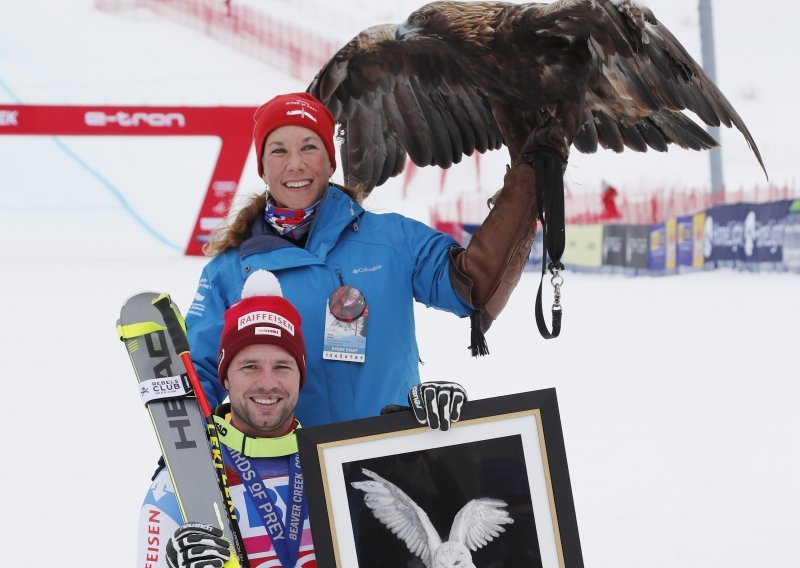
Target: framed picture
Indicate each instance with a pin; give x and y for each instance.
(493, 491)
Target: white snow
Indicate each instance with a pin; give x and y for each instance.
(678, 395)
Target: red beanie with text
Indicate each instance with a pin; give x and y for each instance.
(297, 109)
(262, 316)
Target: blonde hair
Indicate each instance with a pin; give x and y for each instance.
(234, 233)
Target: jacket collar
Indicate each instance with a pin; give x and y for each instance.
(253, 447)
(335, 214)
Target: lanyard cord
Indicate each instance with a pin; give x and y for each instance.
(285, 536)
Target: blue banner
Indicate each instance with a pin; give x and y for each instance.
(745, 233)
(724, 235)
(685, 240)
(657, 259)
(765, 226)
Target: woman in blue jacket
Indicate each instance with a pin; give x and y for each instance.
(326, 250)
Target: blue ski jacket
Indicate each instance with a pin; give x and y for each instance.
(391, 259)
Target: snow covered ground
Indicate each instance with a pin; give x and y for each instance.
(678, 394)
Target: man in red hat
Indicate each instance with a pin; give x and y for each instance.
(262, 365)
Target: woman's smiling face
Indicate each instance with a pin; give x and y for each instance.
(296, 166)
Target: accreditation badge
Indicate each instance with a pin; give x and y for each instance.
(346, 326)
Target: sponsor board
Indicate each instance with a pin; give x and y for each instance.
(637, 246)
(125, 119)
(614, 245)
(745, 233)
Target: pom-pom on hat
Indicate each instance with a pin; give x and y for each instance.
(262, 316)
(298, 109)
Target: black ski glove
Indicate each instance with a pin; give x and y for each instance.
(437, 404)
(195, 545)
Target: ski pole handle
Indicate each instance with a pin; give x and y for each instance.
(174, 327)
(164, 305)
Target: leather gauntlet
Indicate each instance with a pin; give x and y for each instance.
(488, 270)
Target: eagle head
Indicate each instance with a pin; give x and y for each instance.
(425, 20)
(465, 21)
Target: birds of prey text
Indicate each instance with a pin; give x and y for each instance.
(476, 524)
(456, 77)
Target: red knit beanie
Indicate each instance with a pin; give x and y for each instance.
(298, 109)
(262, 316)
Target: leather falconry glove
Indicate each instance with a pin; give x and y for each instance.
(196, 545)
(488, 270)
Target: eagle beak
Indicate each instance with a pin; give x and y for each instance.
(403, 32)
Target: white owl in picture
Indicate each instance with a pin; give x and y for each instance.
(475, 525)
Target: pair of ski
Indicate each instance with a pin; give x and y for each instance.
(153, 331)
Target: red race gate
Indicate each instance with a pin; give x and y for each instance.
(232, 125)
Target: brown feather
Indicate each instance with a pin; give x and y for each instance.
(456, 77)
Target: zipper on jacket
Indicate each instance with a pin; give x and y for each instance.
(353, 214)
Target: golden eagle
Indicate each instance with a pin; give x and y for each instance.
(456, 77)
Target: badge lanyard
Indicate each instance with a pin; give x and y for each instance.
(285, 542)
(345, 336)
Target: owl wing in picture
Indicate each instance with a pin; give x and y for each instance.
(480, 521)
(400, 514)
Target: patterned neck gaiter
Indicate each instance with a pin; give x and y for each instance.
(290, 222)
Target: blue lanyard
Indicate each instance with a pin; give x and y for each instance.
(285, 542)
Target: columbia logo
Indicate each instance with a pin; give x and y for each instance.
(367, 269)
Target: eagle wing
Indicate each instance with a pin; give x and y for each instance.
(393, 99)
(400, 514)
(644, 79)
(480, 521)
(420, 97)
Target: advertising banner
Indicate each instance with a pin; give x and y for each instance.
(232, 125)
(637, 239)
(583, 246)
(657, 259)
(698, 231)
(724, 234)
(791, 238)
(689, 240)
(764, 234)
(746, 233)
(684, 243)
(614, 245)
(671, 236)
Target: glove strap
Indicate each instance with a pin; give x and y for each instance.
(548, 169)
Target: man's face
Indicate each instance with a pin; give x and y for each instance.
(263, 383)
